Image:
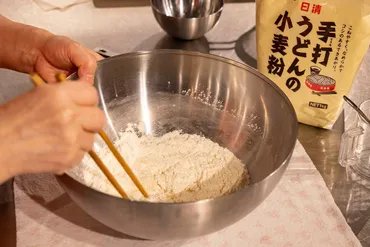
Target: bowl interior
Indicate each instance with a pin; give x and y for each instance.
(222, 100)
(187, 9)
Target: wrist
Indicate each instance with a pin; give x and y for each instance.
(30, 50)
(5, 150)
(20, 48)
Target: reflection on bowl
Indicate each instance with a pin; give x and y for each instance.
(199, 45)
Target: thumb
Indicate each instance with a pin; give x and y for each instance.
(85, 62)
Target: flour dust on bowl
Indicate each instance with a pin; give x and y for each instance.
(219, 121)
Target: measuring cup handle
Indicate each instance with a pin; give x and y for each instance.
(348, 144)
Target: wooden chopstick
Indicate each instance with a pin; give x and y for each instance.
(36, 79)
(38, 82)
(61, 78)
(123, 163)
(108, 174)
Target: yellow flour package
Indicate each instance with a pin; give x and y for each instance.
(312, 50)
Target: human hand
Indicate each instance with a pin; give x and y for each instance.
(30, 49)
(59, 54)
(48, 129)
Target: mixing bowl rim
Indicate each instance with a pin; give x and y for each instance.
(222, 59)
(219, 10)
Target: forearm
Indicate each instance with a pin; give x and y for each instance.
(19, 45)
(4, 176)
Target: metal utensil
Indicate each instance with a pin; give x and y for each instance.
(245, 112)
(187, 19)
(356, 108)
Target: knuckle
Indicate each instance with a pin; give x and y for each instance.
(88, 145)
(86, 141)
(76, 159)
(59, 105)
(71, 156)
(66, 117)
(49, 91)
(56, 167)
(71, 44)
(59, 93)
(69, 138)
(60, 172)
(90, 141)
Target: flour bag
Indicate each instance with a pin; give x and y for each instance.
(312, 50)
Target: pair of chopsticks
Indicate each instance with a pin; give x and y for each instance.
(61, 78)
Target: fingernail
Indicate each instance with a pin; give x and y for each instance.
(60, 173)
(89, 78)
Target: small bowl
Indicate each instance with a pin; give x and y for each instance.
(187, 20)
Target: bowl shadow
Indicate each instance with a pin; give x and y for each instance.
(164, 41)
(45, 191)
(244, 46)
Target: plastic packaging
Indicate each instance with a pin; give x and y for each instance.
(312, 50)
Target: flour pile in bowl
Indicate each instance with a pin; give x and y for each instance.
(175, 167)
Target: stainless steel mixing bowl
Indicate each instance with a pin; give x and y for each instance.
(189, 19)
(230, 103)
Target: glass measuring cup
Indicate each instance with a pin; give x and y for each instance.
(354, 150)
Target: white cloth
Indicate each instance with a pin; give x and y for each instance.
(299, 212)
(58, 4)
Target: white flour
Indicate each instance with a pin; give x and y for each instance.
(175, 167)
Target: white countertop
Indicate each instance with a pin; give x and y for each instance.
(118, 29)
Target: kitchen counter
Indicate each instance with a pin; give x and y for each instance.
(139, 3)
(234, 37)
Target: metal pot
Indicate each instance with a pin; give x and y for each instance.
(245, 112)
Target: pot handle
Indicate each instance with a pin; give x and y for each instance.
(347, 156)
(105, 52)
